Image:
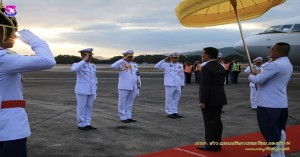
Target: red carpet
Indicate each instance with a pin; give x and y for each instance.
(234, 146)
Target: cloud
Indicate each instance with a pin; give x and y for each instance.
(147, 26)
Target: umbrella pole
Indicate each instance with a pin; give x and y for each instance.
(234, 4)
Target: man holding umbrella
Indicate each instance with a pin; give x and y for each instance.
(271, 97)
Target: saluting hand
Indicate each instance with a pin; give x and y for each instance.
(26, 36)
(167, 59)
(86, 57)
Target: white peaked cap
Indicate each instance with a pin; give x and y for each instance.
(86, 50)
(174, 54)
(128, 52)
(220, 55)
(258, 59)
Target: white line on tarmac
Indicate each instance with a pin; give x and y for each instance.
(71, 78)
(114, 78)
(290, 79)
(190, 152)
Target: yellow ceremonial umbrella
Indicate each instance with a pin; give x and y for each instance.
(203, 13)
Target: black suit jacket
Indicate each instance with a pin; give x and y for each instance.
(212, 91)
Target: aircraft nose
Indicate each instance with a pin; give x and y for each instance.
(238, 46)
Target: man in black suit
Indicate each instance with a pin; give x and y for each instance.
(212, 98)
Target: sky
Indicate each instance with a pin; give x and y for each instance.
(114, 26)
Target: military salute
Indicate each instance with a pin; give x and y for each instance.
(257, 66)
(174, 83)
(85, 89)
(271, 97)
(128, 86)
(14, 125)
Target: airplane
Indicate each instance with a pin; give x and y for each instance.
(260, 44)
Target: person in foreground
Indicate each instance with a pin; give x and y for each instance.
(271, 97)
(128, 86)
(14, 125)
(85, 89)
(212, 98)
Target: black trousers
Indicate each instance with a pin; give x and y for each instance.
(13, 148)
(188, 77)
(197, 76)
(271, 121)
(213, 124)
(235, 75)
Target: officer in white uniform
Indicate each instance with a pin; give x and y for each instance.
(85, 89)
(174, 83)
(14, 125)
(128, 86)
(257, 66)
(271, 97)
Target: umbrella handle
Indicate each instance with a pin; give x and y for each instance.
(234, 5)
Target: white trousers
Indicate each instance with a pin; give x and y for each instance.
(172, 99)
(252, 97)
(84, 109)
(279, 150)
(126, 102)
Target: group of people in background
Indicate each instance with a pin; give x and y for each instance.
(232, 70)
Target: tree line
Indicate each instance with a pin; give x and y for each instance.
(150, 59)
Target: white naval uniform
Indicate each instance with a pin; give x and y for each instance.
(13, 121)
(86, 91)
(252, 87)
(128, 85)
(173, 81)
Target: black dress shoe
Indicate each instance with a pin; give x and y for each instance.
(125, 121)
(91, 127)
(84, 128)
(177, 115)
(132, 120)
(171, 116)
(209, 148)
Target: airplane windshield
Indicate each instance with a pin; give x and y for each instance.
(278, 29)
(285, 28)
(296, 28)
(273, 29)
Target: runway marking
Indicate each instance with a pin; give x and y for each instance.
(112, 78)
(71, 78)
(190, 152)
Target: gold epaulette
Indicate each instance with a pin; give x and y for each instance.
(270, 60)
(124, 65)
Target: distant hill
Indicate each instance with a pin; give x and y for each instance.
(225, 51)
(100, 58)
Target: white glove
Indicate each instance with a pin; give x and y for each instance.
(27, 36)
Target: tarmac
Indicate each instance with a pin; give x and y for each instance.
(51, 108)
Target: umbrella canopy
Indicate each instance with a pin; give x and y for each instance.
(202, 13)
